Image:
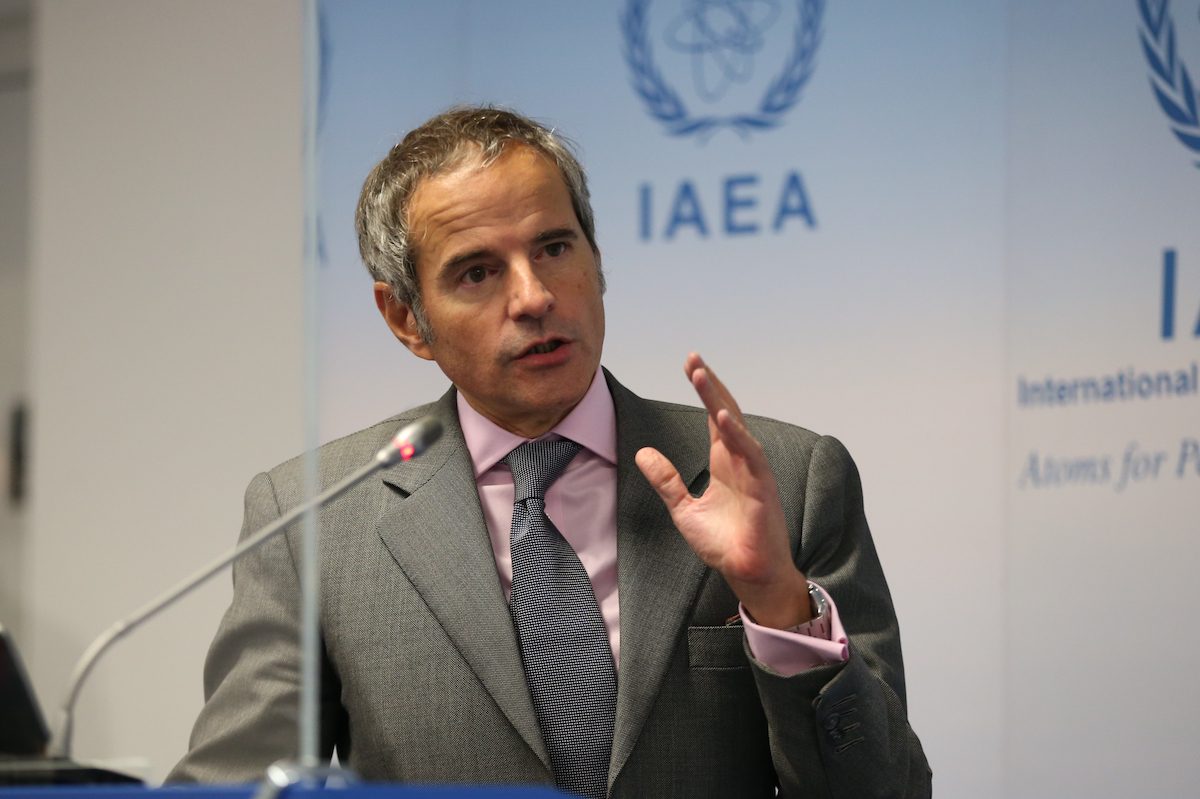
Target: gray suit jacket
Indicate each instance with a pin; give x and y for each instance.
(423, 679)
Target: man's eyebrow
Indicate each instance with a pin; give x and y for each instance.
(555, 233)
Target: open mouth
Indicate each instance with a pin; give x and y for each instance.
(545, 347)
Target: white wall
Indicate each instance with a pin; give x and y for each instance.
(166, 334)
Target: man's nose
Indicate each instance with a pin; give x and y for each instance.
(528, 295)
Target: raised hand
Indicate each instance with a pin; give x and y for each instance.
(737, 525)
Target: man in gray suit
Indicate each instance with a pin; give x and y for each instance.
(729, 569)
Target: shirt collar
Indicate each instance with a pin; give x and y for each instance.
(592, 423)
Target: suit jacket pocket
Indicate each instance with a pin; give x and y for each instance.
(716, 648)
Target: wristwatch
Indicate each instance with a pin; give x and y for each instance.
(818, 625)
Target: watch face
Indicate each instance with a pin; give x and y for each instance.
(819, 606)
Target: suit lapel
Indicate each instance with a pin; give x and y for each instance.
(658, 575)
(434, 527)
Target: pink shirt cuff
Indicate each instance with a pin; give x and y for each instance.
(789, 653)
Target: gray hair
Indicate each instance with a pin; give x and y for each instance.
(441, 144)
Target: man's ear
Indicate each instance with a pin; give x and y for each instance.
(401, 320)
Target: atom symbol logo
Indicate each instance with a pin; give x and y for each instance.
(722, 37)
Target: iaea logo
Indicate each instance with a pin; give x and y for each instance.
(1169, 76)
(715, 50)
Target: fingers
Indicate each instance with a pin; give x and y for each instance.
(740, 441)
(718, 401)
(712, 391)
(663, 477)
(725, 419)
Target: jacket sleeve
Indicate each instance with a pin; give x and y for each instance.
(842, 731)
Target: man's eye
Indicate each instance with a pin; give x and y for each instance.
(556, 248)
(476, 274)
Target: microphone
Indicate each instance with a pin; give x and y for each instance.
(410, 442)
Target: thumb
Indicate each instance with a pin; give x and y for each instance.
(663, 478)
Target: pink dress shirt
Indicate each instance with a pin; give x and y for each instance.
(582, 503)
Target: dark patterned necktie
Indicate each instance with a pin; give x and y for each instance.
(564, 642)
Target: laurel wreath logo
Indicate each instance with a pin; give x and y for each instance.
(1171, 82)
(666, 106)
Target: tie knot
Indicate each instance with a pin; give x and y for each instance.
(537, 464)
